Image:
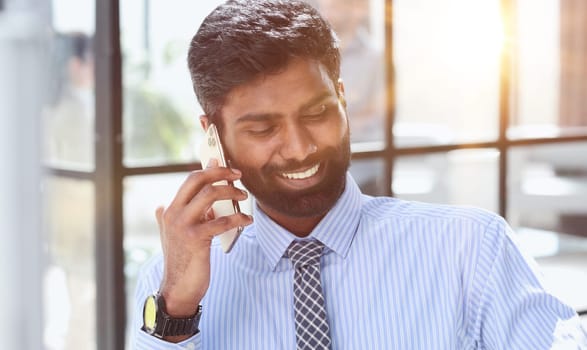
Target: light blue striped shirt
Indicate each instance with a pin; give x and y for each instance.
(395, 275)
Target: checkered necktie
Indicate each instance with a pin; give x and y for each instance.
(312, 331)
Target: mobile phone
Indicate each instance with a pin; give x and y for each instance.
(211, 148)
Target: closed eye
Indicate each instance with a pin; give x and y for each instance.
(320, 109)
(261, 131)
(316, 113)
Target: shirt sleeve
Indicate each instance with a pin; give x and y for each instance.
(148, 282)
(512, 308)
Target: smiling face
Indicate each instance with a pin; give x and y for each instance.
(288, 133)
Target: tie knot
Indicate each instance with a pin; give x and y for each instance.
(304, 253)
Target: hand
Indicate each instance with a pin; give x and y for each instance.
(187, 227)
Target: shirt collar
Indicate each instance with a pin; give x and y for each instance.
(336, 230)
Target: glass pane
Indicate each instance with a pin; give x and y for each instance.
(69, 285)
(161, 112)
(464, 177)
(142, 195)
(68, 117)
(550, 90)
(359, 25)
(369, 175)
(547, 191)
(447, 71)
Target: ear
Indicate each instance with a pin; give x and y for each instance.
(204, 122)
(340, 90)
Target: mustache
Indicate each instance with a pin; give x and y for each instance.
(327, 153)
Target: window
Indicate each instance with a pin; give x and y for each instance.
(466, 76)
(470, 103)
(447, 65)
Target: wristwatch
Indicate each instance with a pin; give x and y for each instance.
(158, 323)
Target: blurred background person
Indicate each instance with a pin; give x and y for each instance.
(69, 119)
(363, 75)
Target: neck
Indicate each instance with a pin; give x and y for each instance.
(299, 226)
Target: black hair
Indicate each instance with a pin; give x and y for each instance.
(244, 39)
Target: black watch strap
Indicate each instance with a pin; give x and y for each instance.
(170, 326)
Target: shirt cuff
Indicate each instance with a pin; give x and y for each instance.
(145, 341)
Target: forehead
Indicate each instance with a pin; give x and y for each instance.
(282, 93)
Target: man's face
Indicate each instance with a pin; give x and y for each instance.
(288, 134)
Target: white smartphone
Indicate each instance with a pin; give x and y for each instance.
(211, 148)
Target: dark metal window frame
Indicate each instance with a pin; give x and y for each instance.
(110, 171)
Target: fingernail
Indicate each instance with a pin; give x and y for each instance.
(236, 171)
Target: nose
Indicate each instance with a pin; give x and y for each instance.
(297, 144)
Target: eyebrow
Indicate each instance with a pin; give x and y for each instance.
(260, 117)
(319, 98)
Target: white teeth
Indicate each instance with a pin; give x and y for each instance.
(302, 175)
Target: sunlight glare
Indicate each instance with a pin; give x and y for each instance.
(475, 34)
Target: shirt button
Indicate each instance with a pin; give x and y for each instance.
(190, 346)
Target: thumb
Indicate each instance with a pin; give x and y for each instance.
(159, 217)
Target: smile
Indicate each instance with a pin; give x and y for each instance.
(303, 174)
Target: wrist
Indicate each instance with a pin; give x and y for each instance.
(180, 308)
(180, 304)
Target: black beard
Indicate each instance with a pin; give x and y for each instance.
(312, 202)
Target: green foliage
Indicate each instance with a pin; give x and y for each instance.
(154, 128)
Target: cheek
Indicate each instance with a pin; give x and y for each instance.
(252, 155)
(332, 133)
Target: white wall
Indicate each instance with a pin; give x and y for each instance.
(21, 52)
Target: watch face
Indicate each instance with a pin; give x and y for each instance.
(150, 314)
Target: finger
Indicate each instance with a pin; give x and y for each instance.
(209, 215)
(224, 223)
(200, 205)
(198, 179)
(159, 215)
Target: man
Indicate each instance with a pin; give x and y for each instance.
(392, 274)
